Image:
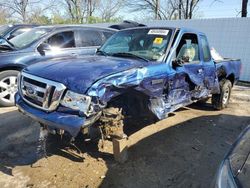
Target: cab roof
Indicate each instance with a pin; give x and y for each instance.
(183, 29)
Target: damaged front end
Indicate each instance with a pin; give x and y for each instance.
(51, 104)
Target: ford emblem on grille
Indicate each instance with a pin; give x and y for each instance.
(30, 90)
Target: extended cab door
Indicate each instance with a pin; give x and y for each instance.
(188, 80)
(208, 65)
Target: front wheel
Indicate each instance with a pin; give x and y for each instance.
(8, 87)
(220, 101)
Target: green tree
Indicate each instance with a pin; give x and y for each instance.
(4, 15)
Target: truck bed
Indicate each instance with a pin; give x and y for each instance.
(228, 67)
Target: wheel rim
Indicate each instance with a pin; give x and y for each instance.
(8, 88)
(226, 95)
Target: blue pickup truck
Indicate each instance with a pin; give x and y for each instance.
(139, 72)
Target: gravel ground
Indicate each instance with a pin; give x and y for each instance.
(183, 150)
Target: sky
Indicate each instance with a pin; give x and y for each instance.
(205, 9)
(208, 9)
(220, 9)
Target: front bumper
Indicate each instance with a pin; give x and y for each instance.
(55, 120)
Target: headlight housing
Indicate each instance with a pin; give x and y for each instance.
(76, 101)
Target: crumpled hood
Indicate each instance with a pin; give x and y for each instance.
(78, 74)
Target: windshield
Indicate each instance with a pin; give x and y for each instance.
(146, 43)
(4, 29)
(27, 38)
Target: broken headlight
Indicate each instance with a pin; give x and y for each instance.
(76, 101)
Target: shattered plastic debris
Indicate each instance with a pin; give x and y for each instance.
(41, 148)
(102, 177)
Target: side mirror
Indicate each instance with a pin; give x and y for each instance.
(177, 63)
(42, 48)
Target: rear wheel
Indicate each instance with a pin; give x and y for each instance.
(8, 87)
(220, 101)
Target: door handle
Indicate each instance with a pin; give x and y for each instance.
(200, 71)
(74, 54)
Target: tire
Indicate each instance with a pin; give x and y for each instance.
(220, 101)
(8, 87)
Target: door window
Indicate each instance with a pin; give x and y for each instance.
(62, 40)
(205, 49)
(188, 49)
(87, 38)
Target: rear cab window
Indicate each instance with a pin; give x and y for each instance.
(205, 49)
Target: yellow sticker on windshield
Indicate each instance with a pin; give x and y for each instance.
(158, 40)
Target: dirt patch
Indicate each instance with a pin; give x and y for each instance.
(183, 150)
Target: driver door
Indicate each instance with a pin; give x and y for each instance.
(188, 81)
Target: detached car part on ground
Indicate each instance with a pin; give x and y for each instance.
(234, 171)
(139, 73)
(43, 43)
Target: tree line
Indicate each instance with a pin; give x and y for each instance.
(96, 11)
(59, 11)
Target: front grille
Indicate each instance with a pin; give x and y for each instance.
(39, 92)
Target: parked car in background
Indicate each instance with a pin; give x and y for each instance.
(12, 30)
(126, 24)
(234, 171)
(140, 73)
(43, 43)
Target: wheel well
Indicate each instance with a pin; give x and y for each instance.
(132, 102)
(17, 68)
(231, 78)
(134, 107)
(223, 75)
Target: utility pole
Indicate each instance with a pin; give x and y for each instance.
(244, 8)
(187, 5)
(157, 5)
(180, 3)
